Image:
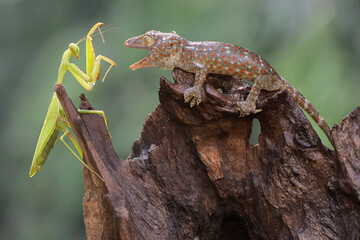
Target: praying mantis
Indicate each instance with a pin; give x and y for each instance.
(55, 120)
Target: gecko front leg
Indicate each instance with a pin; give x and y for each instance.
(249, 106)
(193, 94)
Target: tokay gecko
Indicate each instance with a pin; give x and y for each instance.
(169, 50)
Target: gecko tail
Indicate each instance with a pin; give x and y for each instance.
(310, 109)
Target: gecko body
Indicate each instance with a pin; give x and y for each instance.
(169, 50)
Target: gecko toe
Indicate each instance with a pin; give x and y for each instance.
(192, 95)
(246, 108)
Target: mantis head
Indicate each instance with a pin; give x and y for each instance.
(163, 49)
(75, 50)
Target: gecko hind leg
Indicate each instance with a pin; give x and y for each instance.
(249, 106)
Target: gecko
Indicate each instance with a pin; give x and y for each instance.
(169, 50)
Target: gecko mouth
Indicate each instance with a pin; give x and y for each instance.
(133, 43)
(141, 64)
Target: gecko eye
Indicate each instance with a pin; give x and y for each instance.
(147, 41)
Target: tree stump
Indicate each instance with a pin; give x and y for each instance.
(194, 175)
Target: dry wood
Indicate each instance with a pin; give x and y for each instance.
(194, 175)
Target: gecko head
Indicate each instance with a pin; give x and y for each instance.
(162, 47)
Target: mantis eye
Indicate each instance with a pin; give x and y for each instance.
(147, 41)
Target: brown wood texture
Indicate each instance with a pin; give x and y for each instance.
(194, 175)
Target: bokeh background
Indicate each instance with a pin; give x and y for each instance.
(312, 43)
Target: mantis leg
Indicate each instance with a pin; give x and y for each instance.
(80, 76)
(67, 133)
(88, 81)
(97, 112)
(90, 53)
(92, 62)
(96, 70)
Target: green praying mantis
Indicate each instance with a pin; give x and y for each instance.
(55, 120)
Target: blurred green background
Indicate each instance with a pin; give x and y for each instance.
(312, 43)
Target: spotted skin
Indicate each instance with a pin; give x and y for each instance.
(169, 50)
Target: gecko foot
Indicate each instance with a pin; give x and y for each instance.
(192, 95)
(246, 108)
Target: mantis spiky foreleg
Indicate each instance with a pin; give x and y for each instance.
(92, 62)
(55, 119)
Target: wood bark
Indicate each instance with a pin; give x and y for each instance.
(194, 175)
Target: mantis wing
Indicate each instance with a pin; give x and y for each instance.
(48, 136)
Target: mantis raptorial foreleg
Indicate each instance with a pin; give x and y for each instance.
(55, 119)
(88, 79)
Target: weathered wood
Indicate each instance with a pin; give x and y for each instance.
(194, 175)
